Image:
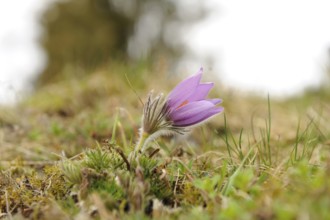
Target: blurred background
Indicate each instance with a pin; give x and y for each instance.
(278, 47)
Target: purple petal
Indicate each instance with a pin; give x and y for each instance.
(190, 109)
(194, 113)
(201, 92)
(199, 118)
(215, 101)
(184, 90)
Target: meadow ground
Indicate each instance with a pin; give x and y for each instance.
(64, 154)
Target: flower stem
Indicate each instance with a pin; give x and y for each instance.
(141, 142)
(139, 145)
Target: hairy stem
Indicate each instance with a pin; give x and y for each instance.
(139, 146)
(141, 142)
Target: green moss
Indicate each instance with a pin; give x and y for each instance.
(107, 188)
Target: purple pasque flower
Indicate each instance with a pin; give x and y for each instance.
(184, 107)
(188, 104)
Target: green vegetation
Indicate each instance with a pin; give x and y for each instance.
(64, 154)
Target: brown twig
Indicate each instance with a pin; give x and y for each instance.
(154, 153)
(121, 153)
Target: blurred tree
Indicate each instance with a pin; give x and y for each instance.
(83, 34)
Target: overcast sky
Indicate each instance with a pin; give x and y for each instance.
(275, 46)
(20, 56)
(278, 46)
